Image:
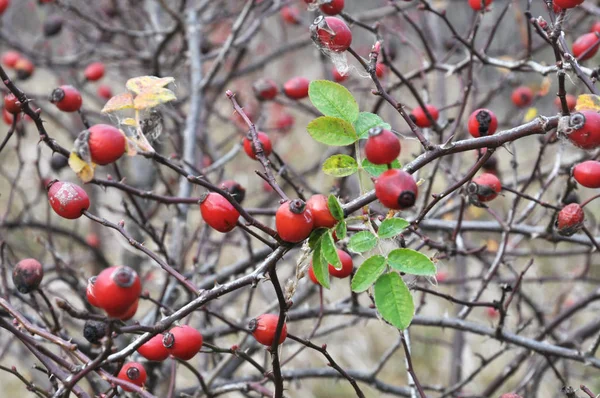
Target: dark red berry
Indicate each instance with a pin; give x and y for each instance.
(153, 349)
(396, 189)
(264, 140)
(585, 126)
(294, 221)
(571, 102)
(183, 342)
(94, 331)
(66, 98)
(235, 189)
(291, 14)
(588, 173)
(331, 33)
(134, 373)
(4, 5)
(567, 3)
(265, 89)
(296, 88)
(332, 7)
(485, 187)
(27, 275)
(569, 219)
(218, 212)
(482, 122)
(382, 146)
(67, 200)
(586, 46)
(522, 96)
(12, 104)
(94, 71)
(263, 329)
(419, 117)
(319, 209)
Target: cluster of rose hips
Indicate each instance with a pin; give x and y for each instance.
(295, 88)
(182, 342)
(116, 290)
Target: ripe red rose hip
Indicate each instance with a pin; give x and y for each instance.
(569, 219)
(116, 290)
(585, 126)
(10, 58)
(183, 342)
(595, 27)
(419, 117)
(265, 89)
(294, 222)
(567, 3)
(4, 5)
(382, 146)
(12, 104)
(263, 329)
(319, 209)
(218, 212)
(396, 189)
(331, 33)
(347, 266)
(134, 373)
(106, 143)
(89, 292)
(485, 187)
(104, 92)
(296, 87)
(24, 68)
(482, 122)
(264, 140)
(9, 117)
(290, 14)
(66, 98)
(380, 70)
(332, 7)
(235, 189)
(586, 46)
(337, 76)
(522, 96)
(67, 200)
(477, 6)
(588, 173)
(27, 275)
(94, 71)
(571, 102)
(154, 349)
(311, 275)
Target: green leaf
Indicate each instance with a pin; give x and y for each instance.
(376, 169)
(332, 131)
(320, 267)
(411, 262)
(366, 121)
(340, 230)
(394, 301)
(340, 166)
(315, 236)
(329, 251)
(335, 208)
(368, 273)
(392, 227)
(362, 242)
(333, 99)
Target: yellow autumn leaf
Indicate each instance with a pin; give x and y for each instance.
(144, 83)
(118, 103)
(588, 101)
(530, 115)
(129, 122)
(154, 97)
(84, 170)
(545, 87)
(492, 245)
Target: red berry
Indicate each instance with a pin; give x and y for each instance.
(331, 33)
(107, 143)
(134, 373)
(218, 212)
(522, 96)
(586, 46)
(556, 8)
(476, 4)
(24, 68)
(264, 140)
(4, 5)
(569, 220)
(332, 7)
(10, 58)
(595, 27)
(12, 104)
(263, 329)
(347, 266)
(290, 14)
(27, 275)
(294, 221)
(296, 87)
(183, 342)
(94, 71)
(153, 349)
(396, 189)
(441, 276)
(322, 218)
(311, 275)
(419, 117)
(588, 173)
(66, 98)
(586, 129)
(382, 146)
(510, 395)
(482, 122)
(337, 76)
(265, 89)
(116, 289)
(235, 189)
(67, 200)
(89, 292)
(93, 240)
(284, 121)
(380, 69)
(485, 187)
(492, 312)
(104, 91)
(571, 102)
(9, 117)
(567, 3)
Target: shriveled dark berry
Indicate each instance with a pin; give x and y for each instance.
(94, 331)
